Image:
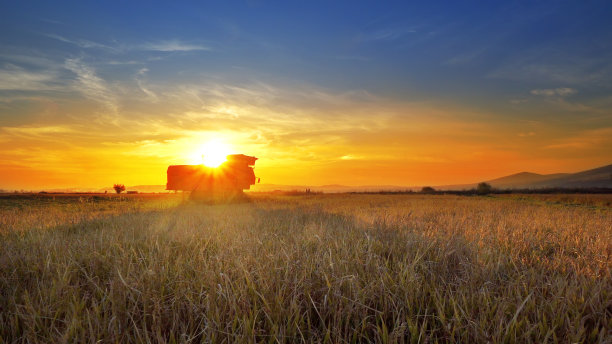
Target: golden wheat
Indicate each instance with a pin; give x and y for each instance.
(323, 268)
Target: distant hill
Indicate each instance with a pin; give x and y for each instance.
(596, 178)
(600, 177)
(524, 179)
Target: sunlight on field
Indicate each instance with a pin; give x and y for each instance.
(335, 268)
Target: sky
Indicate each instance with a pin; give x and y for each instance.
(322, 92)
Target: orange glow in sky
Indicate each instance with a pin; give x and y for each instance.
(403, 93)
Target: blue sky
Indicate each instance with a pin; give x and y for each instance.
(523, 68)
(432, 49)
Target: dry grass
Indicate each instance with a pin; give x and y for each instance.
(323, 268)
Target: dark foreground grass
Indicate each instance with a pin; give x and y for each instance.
(323, 268)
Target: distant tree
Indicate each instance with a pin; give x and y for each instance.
(484, 188)
(428, 189)
(119, 188)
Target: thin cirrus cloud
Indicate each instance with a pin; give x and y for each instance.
(83, 43)
(142, 85)
(174, 45)
(550, 92)
(164, 46)
(531, 69)
(595, 138)
(15, 78)
(387, 34)
(91, 85)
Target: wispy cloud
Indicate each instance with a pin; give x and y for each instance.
(28, 58)
(18, 79)
(91, 85)
(387, 34)
(51, 21)
(550, 92)
(164, 46)
(587, 139)
(121, 63)
(36, 131)
(83, 43)
(173, 45)
(351, 157)
(143, 87)
(540, 66)
(466, 57)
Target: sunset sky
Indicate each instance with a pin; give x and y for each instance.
(329, 92)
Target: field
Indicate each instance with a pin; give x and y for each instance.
(321, 268)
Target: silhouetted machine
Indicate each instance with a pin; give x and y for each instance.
(224, 182)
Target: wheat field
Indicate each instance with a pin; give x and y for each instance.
(323, 268)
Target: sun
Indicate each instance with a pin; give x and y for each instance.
(214, 153)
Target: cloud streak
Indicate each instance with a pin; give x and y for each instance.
(173, 45)
(144, 88)
(584, 140)
(90, 85)
(14, 78)
(83, 43)
(387, 34)
(550, 92)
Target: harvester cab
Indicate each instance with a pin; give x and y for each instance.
(223, 183)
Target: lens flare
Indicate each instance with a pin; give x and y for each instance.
(215, 153)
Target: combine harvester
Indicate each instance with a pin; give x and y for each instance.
(224, 183)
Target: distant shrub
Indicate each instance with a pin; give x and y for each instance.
(484, 188)
(119, 188)
(428, 189)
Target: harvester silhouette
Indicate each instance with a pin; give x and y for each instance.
(223, 183)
